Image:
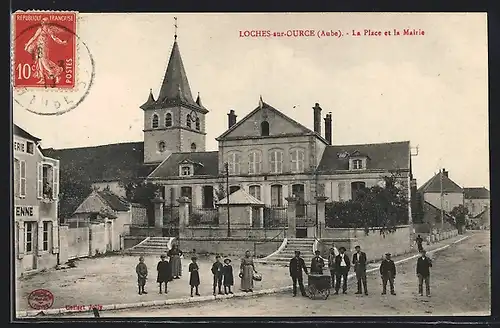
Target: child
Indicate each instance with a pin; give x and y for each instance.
(227, 272)
(164, 271)
(142, 272)
(217, 272)
(194, 278)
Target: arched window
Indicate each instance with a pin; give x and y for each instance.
(254, 191)
(162, 146)
(168, 120)
(297, 159)
(255, 162)
(276, 195)
(356, 188)
(264, 128)
(154, 121)
(188, 120)
(198, 123)
(234, 163)
(276, 161)
(193, 147)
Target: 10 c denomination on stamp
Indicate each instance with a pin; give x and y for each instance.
(44, 49)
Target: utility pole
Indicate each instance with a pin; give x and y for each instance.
(441, 187)
(226, 166)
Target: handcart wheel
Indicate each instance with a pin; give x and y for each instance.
(312, 292)
(326, 293)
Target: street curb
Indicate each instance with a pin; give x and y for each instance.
(187, 300)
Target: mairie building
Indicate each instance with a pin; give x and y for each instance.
(266, 153)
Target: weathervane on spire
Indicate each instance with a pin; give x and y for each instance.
(175, 25)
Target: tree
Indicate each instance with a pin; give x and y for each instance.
(139, 191)
(384, 206)
(74, 187)
(460, 214)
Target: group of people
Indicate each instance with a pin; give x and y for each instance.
(222, 273)
(339, 266)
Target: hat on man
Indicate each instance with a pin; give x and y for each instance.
(317, 252)
(388, 254)
(162, 256)
(342, 249)
(227, 260)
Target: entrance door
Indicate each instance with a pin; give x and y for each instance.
(31, 245)
(208, 197)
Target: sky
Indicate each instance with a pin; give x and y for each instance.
(430, 89)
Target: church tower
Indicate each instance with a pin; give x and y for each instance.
(173, 122)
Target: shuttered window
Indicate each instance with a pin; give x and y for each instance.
(22, 179)
(39, 180)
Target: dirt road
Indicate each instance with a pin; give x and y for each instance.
(460, 285)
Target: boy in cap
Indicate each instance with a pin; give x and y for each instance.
(217, 272)
(142, 273)
(164, 271)
(227, 273)
(388, 273)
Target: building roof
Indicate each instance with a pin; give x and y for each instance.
(105, 163)
(437, 209)
(18, 131)
(115, 202)
(262, 105)
(433, 185)
(240, 197)
(483, 214)
(175, 87)
(386, 156)
(204, 163)
(476, 193)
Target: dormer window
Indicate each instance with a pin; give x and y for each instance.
(264, 128)
(357, 164)
(186, 170)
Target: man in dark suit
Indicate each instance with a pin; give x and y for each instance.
(423, 273)
(388, 273)
(297, 264)
(331, 263)
(317, 263)
(359, 262)
(342, 265)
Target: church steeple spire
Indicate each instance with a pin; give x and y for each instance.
(175, 25)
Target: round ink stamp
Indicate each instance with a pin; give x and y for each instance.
(52, 68)
(40, 299)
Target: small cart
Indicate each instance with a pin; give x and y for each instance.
(319, 285)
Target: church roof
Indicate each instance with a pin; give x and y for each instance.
(175, 87)
(18, 131)
(240, 197)
(433, 185)
(385, 156)
(476, 193)
(104, 163)
(205, 163)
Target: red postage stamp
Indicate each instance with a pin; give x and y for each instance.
(44, 49)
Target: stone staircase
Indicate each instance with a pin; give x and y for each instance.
(287, 250)
(151, 246)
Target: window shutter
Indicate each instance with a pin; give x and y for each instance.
(55, 237)
(39, 179)
(20, 239)
(40, 236)
(22, 179)
(55, 186)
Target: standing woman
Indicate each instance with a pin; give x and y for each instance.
(175, 261)
(247, 270)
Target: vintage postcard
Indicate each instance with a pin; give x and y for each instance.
(280, 165)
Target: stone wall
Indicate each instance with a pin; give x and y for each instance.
(240, 232)
(98, 238)
(235, 247)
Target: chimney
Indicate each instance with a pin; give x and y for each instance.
(445, 173)
(328, 128)
(317, 118)
(231, 118)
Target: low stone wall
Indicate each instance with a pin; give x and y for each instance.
(143, 231)
(239, 232)
(233, 246)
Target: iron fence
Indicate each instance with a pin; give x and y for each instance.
(170, 216)
(203, 216)
(275, 217)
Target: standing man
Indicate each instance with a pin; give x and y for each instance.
(217, 272)
(317, 263)
(297, 264)
(388, 273)
(359, 262)
(419, 242)
(342, 265)
(331, 263)
(423, 273)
